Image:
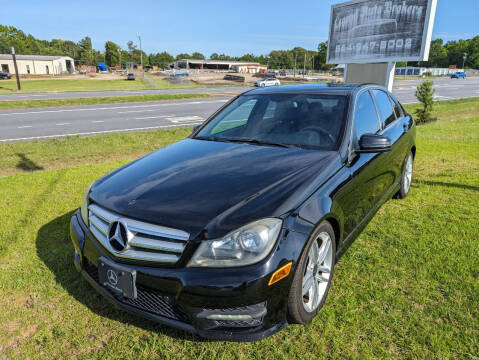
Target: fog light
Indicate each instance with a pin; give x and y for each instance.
(281, 273)
(229, 317)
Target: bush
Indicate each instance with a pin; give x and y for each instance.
(425, 95)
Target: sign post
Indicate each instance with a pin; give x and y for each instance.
(17, 75)
(379, 32)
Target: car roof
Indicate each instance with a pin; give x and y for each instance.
(344, 88)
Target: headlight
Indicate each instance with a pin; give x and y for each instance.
(245, 246)
(85, 203)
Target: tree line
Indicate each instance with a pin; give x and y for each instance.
(441, 54)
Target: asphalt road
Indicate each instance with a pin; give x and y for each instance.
(446, 89)
(30, 124)
(17, 125)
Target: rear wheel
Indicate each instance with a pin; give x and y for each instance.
(313, 276)
(406, 178)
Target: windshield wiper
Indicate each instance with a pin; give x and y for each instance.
(243, 140)
(210, 138)
(259, 142)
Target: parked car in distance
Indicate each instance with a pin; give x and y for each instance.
(233, 232)
(459, 75)
(130, 76)
(5, 76)
(267, 82)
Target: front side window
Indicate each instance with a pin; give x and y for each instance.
(366, 117)
(386, 111)
(303, 120)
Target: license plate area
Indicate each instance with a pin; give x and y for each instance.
(118, 279)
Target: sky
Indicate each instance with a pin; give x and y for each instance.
(207, 26)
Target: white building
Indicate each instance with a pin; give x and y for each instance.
(37, 64)
(219, 65)
(420, 71)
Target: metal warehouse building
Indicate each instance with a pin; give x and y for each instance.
(219, 65)
(37, 64)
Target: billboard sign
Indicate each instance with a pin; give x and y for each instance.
(369, 31)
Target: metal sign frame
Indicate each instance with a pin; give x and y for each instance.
(426, 37)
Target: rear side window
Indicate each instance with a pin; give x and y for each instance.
(385, 109)
(397, 107)
(366, 117)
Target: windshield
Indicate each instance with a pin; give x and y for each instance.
(301, 120)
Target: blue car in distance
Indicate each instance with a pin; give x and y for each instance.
(459, 75)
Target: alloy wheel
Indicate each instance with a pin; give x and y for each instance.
(407, 180)
(317, 274)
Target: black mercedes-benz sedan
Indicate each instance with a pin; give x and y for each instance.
(234, 232)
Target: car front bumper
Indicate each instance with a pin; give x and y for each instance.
(192, 298)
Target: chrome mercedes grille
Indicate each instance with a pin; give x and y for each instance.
(132, 239)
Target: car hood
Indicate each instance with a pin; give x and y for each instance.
(197, 185)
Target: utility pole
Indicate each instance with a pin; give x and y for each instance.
(17, 75)
(295, 61)
(304, 65)
(313, 63)
(464, 57)
(141, 55)
(119, 54)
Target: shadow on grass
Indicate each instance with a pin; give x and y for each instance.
(8, 89)
(55, 249)
(27, 164)
(453, 185)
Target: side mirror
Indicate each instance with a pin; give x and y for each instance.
(374, 143)
(196, 127)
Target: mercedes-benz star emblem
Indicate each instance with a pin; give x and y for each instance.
(118, 235)
(112, 278)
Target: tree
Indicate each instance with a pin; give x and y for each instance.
(425, 95)
(112, 56)
(131, 47)
(437, 54)
(161, 60)
(86, 51)
(183, 56)
(197, 56)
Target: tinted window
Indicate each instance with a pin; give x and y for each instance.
(386, 112)
(366, 117)
(305, 120)
(397, 107)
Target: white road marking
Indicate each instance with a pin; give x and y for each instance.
(95, 132)
(97, 121)
(24, 127)
(62, 124)
(184, 118)
(114, 107)
(151, 117)
(135, 111)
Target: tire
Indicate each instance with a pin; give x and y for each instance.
(303, 308)
(406, 177)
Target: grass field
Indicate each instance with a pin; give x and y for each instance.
(407, 288)
(66, 85)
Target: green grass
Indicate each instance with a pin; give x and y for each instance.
(407, 288)
(24, 104)
(68, 85)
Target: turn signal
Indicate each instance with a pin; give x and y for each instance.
(281, 273)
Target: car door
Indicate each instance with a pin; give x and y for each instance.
(366, 185)
(395, 128)
(392, 127)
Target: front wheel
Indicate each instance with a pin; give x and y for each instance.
(313, 276)
(406, 177)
